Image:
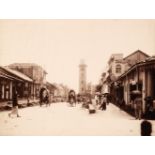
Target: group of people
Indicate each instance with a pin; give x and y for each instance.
(99, 100)
(88, 101)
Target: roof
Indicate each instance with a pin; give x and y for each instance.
(26, 65)
(23, 64)
(137, 52)
(4, 76)
(150, 60)
(18, 74)
(51, 85)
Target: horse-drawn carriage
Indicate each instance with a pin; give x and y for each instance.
(44, 96)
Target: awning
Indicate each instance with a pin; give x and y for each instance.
(17, 74)
(6, 76)
(3, 76)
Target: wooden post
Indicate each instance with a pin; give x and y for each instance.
(143, 91)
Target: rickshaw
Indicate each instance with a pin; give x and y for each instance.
(72, 98)
(44, 96)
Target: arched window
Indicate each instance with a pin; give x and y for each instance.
(118, 68)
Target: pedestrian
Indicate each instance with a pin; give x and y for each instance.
(146, 128)
(47, 101)
(96, 99)
(108, 99)
(103, 103)
(14, 103)
(94, 103)
(41, 96)
(78, 98)
(138, 106)
(91, 108)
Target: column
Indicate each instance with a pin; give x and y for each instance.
(143, 90)
(149, 84)
(10, 90)
(125, 91)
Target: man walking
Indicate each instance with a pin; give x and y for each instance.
(14, 103)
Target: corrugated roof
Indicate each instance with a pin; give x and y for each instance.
(4, 76)
(148, 61)
(18, 74)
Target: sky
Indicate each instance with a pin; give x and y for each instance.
(59, 45)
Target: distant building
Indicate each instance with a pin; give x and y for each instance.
(51, 87)
(61, 92)
(82, 78)
(33, 71)
(90, 89)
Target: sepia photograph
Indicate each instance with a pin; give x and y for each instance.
(77, 77)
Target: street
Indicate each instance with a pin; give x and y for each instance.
(62, 120)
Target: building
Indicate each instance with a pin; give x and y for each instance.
(61, 92)
(10, 78)
(90, 89)
(134, 58)
(82, 78)
(104, 83)
(33, 71)
(51, 87)
(118, 66)
(139, 77)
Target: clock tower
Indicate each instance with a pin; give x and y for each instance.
(82, 77)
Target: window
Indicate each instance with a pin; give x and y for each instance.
(118, 68)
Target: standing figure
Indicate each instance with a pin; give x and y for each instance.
(41, 96)
(96, 99)
(46, 97)
(78, 98)
(138, 106)
(14, 103)
(103, 103)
